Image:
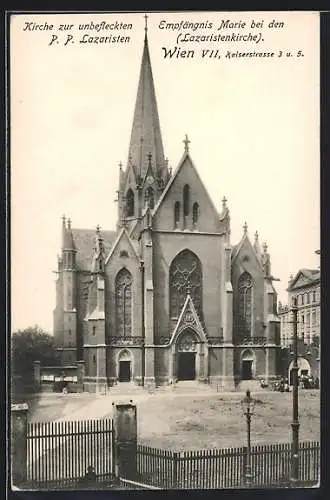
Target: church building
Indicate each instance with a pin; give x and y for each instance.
(165, 297)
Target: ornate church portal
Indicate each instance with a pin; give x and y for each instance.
(189, 356)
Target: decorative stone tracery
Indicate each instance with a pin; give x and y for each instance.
(185, 276)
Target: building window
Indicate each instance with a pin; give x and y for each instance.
(195, 212)
(186, 200)
(123, 295)
(314, 296)
(94, 358)
(314, 318)
(129, 203)
(245, 287)
(176, 214)
(94, 330)
(69, 332)
(185, 276)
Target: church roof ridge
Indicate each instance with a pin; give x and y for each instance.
(185, 156)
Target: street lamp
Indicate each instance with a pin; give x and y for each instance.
(295, 416)
(248, 404)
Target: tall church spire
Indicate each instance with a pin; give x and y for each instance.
(146, 135)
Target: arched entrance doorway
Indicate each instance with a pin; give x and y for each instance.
(186, 355)
(304, 368)
(247, 365)
(124, 366)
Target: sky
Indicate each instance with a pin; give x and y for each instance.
(253, 124)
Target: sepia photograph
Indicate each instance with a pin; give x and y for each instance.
(165, 250)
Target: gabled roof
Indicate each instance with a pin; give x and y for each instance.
(186, 156)
(122, 234)
(307, 277)
(146, 135)
(194, 321)
(237, 248)
(85, 240)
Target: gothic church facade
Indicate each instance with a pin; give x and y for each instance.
(166, 296)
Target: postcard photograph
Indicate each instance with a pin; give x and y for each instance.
(165, 250)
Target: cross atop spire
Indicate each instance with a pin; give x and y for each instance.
(149, 158)
(145, 25)
(224, 203)
(256, 236)
(245, 227)
(265, 247)
(98, 229)
(186, 143)
(69, 223)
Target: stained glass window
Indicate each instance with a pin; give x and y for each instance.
(185, 276)
(245, 286)
(123, 295)
(130, 203)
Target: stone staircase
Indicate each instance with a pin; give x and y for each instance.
(125, 388)
(191, 387)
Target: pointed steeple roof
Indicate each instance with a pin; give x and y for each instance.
(146, 135)
(67, 236)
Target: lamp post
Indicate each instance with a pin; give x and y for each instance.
(295, 416)
(248, 407)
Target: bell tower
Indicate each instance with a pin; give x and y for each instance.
(146, 173)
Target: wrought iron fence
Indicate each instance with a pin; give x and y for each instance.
(225, 468)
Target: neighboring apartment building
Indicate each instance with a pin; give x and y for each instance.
(305, 287)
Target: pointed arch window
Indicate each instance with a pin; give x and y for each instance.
(185, 275)
(150, 197)
(186, 199)
(130, 203)
(176, 214)
(123, 296)
(245, 287)
(195, 213)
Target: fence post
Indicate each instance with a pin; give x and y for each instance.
(245, 460)
(125, 436)
(175, 471)
(19, 414)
